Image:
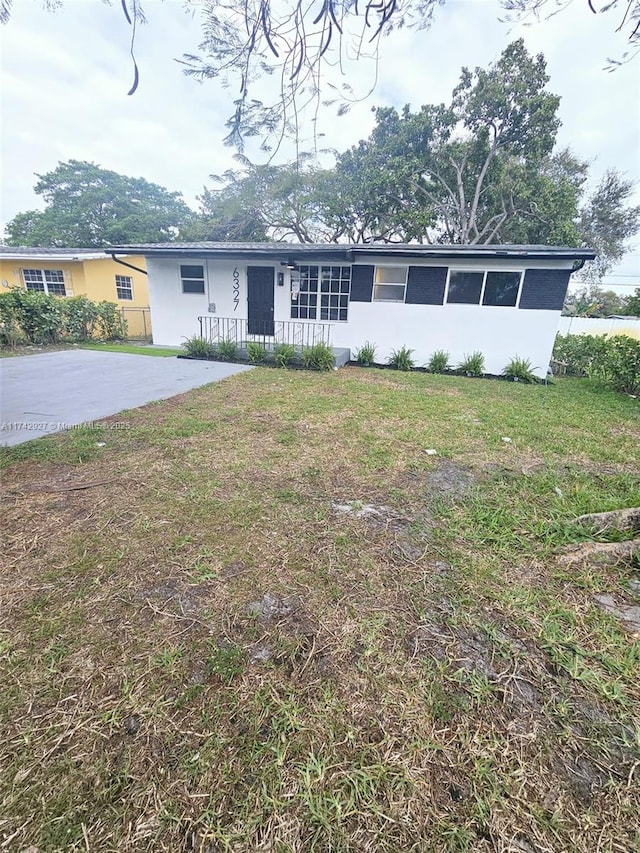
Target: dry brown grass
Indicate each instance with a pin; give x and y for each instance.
(201, 653)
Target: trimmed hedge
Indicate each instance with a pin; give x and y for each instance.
(32, 317)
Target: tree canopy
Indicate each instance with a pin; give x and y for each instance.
(483, 168)
(93, 207)
(296, 44)
(593, 301)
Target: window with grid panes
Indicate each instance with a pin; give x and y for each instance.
(46, 281)
(124, 287)
(324, 293)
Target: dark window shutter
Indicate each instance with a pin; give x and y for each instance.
(361, 283)
(544, 290)
(425, 285)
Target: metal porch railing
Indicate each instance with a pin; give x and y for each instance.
(266, 332)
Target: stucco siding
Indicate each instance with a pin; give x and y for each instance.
(498, 332)
(74, 277)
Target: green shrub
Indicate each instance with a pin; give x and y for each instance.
(318, 357)
(578, 352)
(284, 354)
(439, 362)
(366, 354)
(111, 325)
(618, 363)
(401, 359)
(256, 352)
(11, 333)
(520, 369)
(80, 316)
(472, 364)
(39, 318)
(36, 314)
(199, 347)
(614, 360)
(227, 350)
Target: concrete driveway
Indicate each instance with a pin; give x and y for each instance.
(50, 392)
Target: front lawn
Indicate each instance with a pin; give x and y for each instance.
(134, 349)
(321, 612)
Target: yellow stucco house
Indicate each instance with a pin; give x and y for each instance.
(83, 272)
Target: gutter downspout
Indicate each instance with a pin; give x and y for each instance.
(125, 264)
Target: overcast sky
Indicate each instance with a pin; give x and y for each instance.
(65, 76)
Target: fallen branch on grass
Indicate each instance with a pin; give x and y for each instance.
(605, 553)
(600, 553)
(621, 520)
(75, 487)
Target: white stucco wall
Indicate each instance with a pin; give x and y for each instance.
(498, 332)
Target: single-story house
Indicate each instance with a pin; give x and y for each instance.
(500, 300)
(82, 272)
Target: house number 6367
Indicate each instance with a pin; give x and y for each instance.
(236, 289)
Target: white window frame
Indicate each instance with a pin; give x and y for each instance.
(201, 264)
(482, 289)
(397, 284)
(42, 273)
(319, 293)
(128, 286)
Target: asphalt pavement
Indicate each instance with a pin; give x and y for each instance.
(49, 392)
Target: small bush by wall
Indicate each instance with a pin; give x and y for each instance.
(197, 347)
(520, 369)
(318, 357)
(401, 359)
(366, 354)
(439, 362)
(472, 364)
(284, 354)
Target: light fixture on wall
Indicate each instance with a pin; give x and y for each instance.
(280, 279)
(290, 265)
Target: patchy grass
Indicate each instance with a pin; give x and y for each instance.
(276, 622)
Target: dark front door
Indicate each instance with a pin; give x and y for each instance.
(260, 300)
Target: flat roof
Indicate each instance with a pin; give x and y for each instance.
(347, 251)
(50, 253)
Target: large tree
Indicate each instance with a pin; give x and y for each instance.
(631, 304)
(607, 222)
(275, 202)
(481, 169)
(461, 173)
(593, 301)
(89, 206)
(296, 43)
